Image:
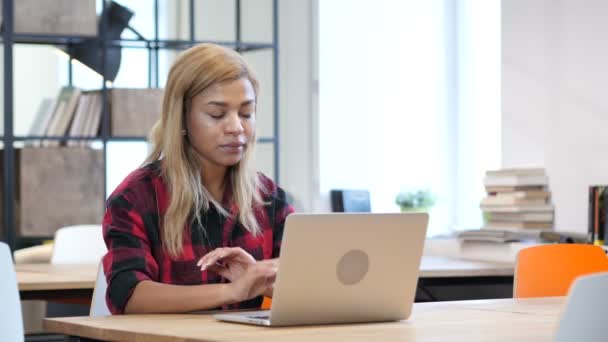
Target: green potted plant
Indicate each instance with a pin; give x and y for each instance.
(416, 200)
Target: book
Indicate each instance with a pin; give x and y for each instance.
(77, 126)
(92, 121)
(516, 180)
(517, 208)
(516, 171)
(40, 123)
(563, 237)
(598, 200)
(522, 217)
(528, 194)
(511, 201)
(499, 235)
(519, 235)
(64, 112)
(518, 224)
(494, 189)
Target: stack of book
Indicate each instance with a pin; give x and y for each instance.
(517, 198)
(77, 113)
(74, 113)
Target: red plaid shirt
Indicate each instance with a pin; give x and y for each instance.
(131, 229)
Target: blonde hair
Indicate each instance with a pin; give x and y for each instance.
(194, 71)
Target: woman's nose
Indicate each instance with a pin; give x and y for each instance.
(234, 124)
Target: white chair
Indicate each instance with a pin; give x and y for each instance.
(98, 303)
(586, 312)
(33, 310)
(81, 244)
(11, 323)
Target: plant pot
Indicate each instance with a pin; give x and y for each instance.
(415, 209)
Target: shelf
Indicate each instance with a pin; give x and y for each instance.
(17, 155)
(66, 40)
(29, 138)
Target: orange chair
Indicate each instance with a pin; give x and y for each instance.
(267, 303)
(548, 270)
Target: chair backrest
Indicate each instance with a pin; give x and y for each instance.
(549, 270)
(78, 244)
(11, 321)
(99, 307)
(584, 316)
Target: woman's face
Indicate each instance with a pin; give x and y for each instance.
(221, 122)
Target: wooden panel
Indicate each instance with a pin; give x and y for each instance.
(135, 111)
(59, 187)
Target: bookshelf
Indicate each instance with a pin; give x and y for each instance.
(10, 153)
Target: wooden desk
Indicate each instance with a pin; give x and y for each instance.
(496, 320)
(52, 282)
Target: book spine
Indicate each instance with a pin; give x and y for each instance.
(600, 215)
(591, 216)
(604, 229)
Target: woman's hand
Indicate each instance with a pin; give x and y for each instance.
(255, 281)
(230, 263)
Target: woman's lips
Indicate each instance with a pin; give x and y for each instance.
(235, 147)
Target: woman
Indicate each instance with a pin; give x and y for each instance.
(195, 228)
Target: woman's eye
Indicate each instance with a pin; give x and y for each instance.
(246, 115)
(217, 115)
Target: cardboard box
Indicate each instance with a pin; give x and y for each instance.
(57, 187)
(134, 111)
(55, 17)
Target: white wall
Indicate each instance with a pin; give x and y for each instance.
(554, 103)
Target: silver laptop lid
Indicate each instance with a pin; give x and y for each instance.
(348, 267)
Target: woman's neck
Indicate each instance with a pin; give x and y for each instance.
(214, 180)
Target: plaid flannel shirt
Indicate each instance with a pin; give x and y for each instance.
(131, 229)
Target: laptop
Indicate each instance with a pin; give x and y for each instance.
(344, 268)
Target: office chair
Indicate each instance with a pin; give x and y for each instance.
(584, 316)
(78, 244)
(11, 321)
(549, 270)
(99, 307)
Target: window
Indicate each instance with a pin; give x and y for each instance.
(400, 101)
